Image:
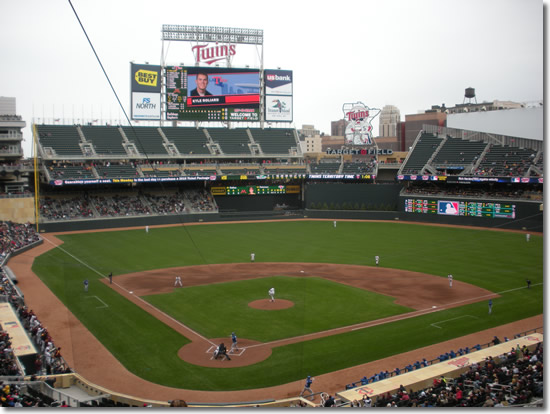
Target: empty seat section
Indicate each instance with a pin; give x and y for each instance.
(63, 139)
(106, 140)
(422, 152)
(275, 140)
(187, 140)
(231, 141)
(147, 140)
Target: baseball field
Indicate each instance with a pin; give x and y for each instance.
(341, 310)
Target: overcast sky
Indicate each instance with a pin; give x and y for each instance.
(409, 53)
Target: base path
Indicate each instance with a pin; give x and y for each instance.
(89, 358)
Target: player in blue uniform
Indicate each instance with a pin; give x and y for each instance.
(234, 342)
(307, 387)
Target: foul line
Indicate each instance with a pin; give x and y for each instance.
(128, 292)
(98, 307)
(435, 325)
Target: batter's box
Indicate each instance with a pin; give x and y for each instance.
(238, 352)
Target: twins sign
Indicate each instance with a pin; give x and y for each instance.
(359, 123)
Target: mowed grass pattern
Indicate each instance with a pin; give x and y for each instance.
(218, 309)
(498, 261)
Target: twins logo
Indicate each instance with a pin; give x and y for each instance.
(359, 127)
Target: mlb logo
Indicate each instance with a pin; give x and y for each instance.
(448, 208)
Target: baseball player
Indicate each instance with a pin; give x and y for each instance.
(377, 260)
(252, 257)
(527, 237)
(334, 223)
(178, 281)
(146, 229)
(490, 306)
(307, 386)
(272, 294)
(233, 342)
(221, 350)
(111, 278)
(86, 283)
(450, 277)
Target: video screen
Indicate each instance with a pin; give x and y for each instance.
(212, 94)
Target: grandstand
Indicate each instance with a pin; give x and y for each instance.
(98, 177)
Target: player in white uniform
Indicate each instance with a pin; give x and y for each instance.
(252, 257)
(272, 294)
(450, 277)
(527, 237)
(146, 229)
(178, 281)
(377, 260)
(334, 223)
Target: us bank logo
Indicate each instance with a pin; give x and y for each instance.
(359, 123)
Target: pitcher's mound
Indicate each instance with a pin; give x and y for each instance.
(266, 304)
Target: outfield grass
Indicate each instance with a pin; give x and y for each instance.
(496, 261)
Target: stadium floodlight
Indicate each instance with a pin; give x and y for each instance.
(212, 34)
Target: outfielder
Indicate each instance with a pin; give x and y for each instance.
(527, 237)
(178, 281)
(252, 257)
(272, 294)
(450, 277)
(234, 342)
(86, 283)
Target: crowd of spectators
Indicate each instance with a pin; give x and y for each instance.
(14, 236)
(89, 205)
(514, 378)
(163, 204)
(48, 359)
(200, 201)
(61, 208)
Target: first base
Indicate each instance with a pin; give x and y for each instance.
(434, 306)
(131, 293)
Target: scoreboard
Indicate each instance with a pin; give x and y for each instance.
(255, 190)
(460, 208)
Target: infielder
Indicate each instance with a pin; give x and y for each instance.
(178, 281)
(307, 387)
(490, 306)
(377, 260)
(450, 277)
(272, 294)
(234, 342)
(252, 257)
